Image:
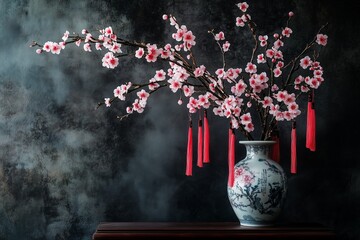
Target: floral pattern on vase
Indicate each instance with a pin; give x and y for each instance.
(259, 187)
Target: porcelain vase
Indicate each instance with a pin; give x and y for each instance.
(259, 187)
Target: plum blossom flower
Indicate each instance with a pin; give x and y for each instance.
(261, 58)
(107, 102)
(87, 47)
(199, 71)
(305, 62)
(286, 32)
(226, 46)
(47, 46)
(110, 61)
(243, 6)
(55, 48)
(219, 36)
(139, 53)
(240, 22)
(66, 36)
(321, 39)
(250, 68)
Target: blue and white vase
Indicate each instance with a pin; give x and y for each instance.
(259, 188)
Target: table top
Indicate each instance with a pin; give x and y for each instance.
(202, 230)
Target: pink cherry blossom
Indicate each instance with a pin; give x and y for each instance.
(226, 46)
(286, 32)
(129, 110)
(245, 118)
(263, 40)
(142, 94)
(243, 6)
(160, 75)
(219, 36)
(55, 48)
(267, 102)
(110, 61)
(98, 46)
(153, 84)
(278, 43)
(108, 31)
(116, 48)
(66, 36)
(270, 53)
(280, 64)
(107, 102)
(277, 72)
(139, 53)
(293, 107)
(321, 39)
(38, 51)
(249, 127)
(87, 47)
(220, 72)
(304, 89)
(261, 58)
(165, 17)
(84, 31)
(47, 46)
(174, 85)
(250, 68)
(299, 79)
(239, 88)
(199, 71)
(305, 62)
(240, 22)
(291, 14)
(118, 93)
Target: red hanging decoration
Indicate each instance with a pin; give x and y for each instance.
(311, 124)
(293, 149)
(231, 156)
(206, 139)
(189, 155)
(275, 151)
(200, 145)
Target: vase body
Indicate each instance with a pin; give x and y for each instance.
(259, 187)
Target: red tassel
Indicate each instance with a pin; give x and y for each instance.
(311, 124)
(275, 153)
(206, 139)
(293, 149)
(231, 156)
(189, 155)
(200, 145)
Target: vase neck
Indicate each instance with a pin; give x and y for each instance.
(258, 149)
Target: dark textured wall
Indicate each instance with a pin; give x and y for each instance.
(65, 167)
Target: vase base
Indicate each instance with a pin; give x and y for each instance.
(254, 224)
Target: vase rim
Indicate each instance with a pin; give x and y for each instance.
(257, 142)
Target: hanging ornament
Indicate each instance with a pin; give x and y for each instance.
(293, 148)
(231, 157)
(200, 145)
(311, 123)
(189, 155)
(206, 139)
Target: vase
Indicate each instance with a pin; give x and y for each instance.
(259, 188)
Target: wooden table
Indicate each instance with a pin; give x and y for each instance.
(213, 230)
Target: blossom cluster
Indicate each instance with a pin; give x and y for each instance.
(230, 91)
